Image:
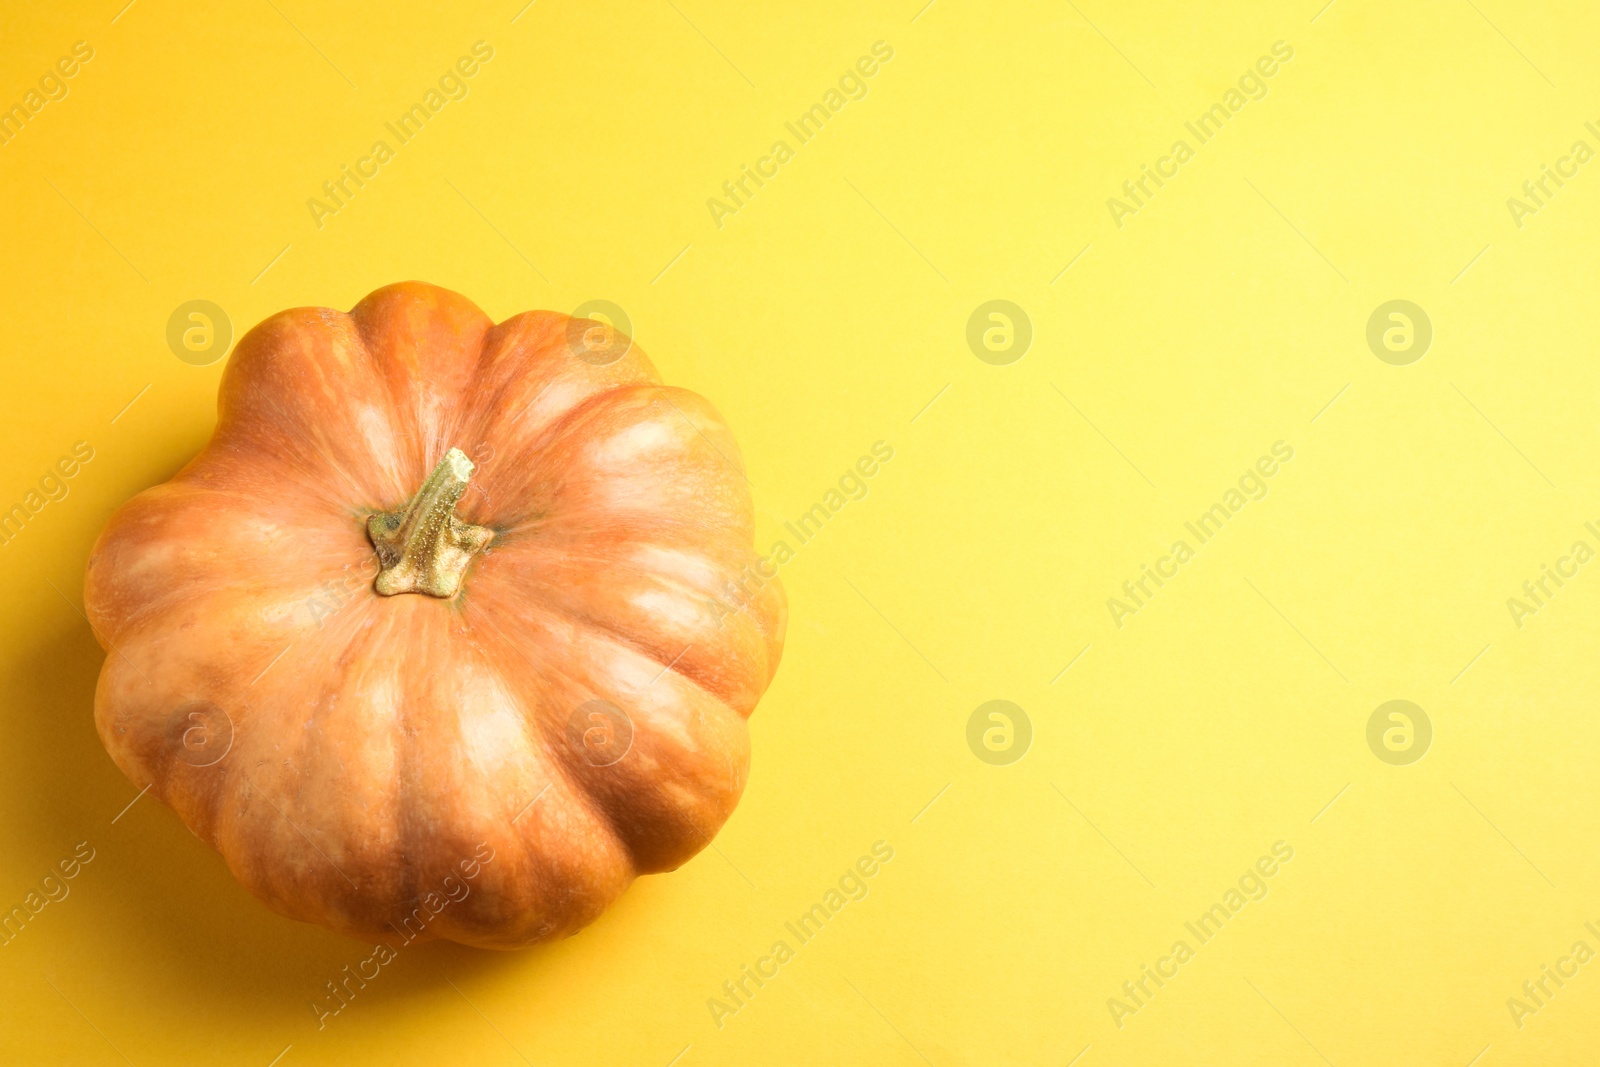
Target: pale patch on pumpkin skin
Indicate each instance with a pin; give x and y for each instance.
(493, 725)
(557, 399)
(673, 609)
(693, 569)
(634, 443)
(377, 431)
(380, 708)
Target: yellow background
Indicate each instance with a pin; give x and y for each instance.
(822, 317)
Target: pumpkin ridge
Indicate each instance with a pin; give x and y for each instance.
(526, 694)
(433, 331)
(578, 790)
(283, 350)
(481, 404)
(324, 732)
(551, 433)
(566, 761)
(618, 807)
(606, 630)
(529, 709)
(514, 341)
(513, 524)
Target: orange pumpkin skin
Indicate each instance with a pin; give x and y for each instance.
(355, 757)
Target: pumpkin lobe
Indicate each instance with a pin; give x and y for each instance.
(424, 547)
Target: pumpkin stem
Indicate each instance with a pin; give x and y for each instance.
(423, 547)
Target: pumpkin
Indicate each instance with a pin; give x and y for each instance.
(450, 631)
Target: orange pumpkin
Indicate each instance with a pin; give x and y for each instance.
(451, 630)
